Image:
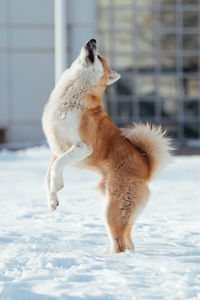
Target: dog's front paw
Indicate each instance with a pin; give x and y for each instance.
(56, 182)
(53, 202)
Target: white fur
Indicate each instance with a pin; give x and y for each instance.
(152, 140)
(75, 154)
(61, 120)
(51, 197)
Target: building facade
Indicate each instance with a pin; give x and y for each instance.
(154, 45)
(27, 61)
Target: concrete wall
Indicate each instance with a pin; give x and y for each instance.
(27, 66)
(27, 60)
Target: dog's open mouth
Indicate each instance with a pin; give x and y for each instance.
(91, 47)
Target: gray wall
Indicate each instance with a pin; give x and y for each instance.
(27, 60)
(27, 66)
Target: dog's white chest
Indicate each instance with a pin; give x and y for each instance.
(68, 126)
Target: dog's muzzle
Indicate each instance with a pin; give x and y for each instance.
(91, 47)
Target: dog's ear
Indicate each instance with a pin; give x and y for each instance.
(113, 76)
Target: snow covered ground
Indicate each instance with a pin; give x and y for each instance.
(65, 254)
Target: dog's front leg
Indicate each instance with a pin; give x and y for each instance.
(51, 197)
(78, 152)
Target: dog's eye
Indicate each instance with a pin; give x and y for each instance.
(99, 57)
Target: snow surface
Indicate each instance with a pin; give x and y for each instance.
(65, 254)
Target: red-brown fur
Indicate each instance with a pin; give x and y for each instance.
(124, 169)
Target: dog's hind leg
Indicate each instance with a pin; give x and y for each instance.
(51, 197)
(116, 227)
(127, 237)
(141, 198)
(124, 205)
(78, 152)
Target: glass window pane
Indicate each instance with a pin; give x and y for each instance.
(122, 2)
(168, 18)
(145, 18)
(145, 41)
(190, 63)
(145, 61)
(123, 41)
(124, 109)
(168, 2)
(190, 86)
(123, 19)
(124, 85)
(191, 130)
(169, 108)
(190, 2)
(147, 109)
(123, 62)
(145, 85)
(168, 86)
(168, 42)
(190, 41)
(191, 108)
(190, 19)
(146, 2)
(168, 62)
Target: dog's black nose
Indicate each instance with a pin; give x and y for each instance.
(93, 41)
(91, 44)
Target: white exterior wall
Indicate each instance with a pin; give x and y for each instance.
(81, 23)
(27, 60)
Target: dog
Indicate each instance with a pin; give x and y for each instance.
(81, 134)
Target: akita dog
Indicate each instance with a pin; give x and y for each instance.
(80, 133)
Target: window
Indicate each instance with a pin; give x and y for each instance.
(154, 45)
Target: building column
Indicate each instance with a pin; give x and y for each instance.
(61, 53)
(75, 24)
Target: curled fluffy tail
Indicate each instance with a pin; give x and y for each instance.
(151, 140)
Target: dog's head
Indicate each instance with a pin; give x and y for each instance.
(93, 68)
